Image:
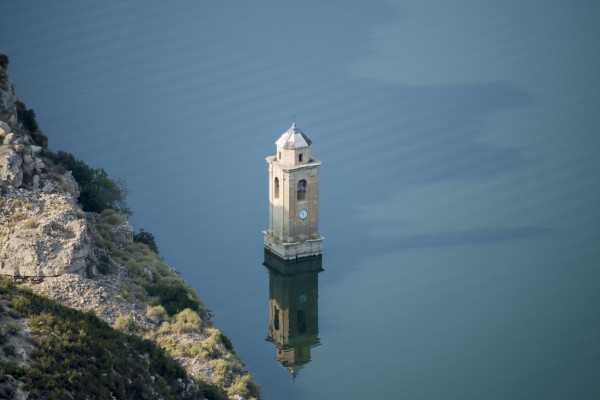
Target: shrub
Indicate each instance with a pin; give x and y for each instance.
(173, 295)
(97, 191)
(186, 321)
(27, 117)
(243, 386)
(124, 323)
(212, 345)
(101, 193)
(112, 217)
(29, 121)
(21, 303)
(156, 314)
(13, 327)
(3, 61)
(220, 369)
(213, 392)
(226, 342)
(17, 216)
(31, 223)
(147, 238)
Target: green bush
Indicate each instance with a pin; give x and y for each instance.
(174, 295)
(27, 117)
(3, 61)
(186, 321)
(21, 303)
(124, 323)
(147, 238)
(156, 314)
(243, 386)
(226, 342)
(213, 392)
(97, 191)
(77, 355)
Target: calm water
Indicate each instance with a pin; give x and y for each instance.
(459, 185)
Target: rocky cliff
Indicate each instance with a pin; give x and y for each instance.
(89, 261)
(42, 231)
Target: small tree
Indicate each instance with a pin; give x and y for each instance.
(98, 191)
(102, 193)
(147, 238)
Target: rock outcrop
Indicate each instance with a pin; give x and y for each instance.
(42, 231)
(41, 234)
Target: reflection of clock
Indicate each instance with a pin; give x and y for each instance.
(303, 214)
(302, 298)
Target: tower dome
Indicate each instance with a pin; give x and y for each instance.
(293, 138)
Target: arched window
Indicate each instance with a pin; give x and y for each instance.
(300, 156)
(276, 189)
(302, 189)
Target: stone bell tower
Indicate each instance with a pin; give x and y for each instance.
(293, 198)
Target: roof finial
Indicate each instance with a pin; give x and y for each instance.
(294, 120)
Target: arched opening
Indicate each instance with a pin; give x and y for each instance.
(276, 188)
(302, 189)
(300, 156)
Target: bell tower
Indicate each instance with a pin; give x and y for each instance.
(293, 198)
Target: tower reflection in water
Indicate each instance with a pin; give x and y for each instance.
(293, 309)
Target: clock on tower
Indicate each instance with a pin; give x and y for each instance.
(293, 198)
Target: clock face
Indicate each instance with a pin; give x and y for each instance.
(303, 214)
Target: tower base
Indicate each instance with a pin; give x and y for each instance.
(298, 267)
(291, 251)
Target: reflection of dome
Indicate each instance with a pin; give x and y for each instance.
(294, 358)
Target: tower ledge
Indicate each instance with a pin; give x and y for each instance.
(293, 250)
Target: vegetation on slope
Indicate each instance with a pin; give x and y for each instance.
(175, 318)
(77, 355)
(98, 191)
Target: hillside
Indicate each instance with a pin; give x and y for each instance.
(85, 297)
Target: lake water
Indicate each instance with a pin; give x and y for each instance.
(459, 187)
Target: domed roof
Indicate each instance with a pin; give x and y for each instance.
(293, 138)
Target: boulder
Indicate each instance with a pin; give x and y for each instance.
(11, 167)
(69, 184)
(122, 234)
(10, 138)
(4, 129)
(48, 238)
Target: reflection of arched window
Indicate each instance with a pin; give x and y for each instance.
(302, 190)
(276, 318)
(301, 322)
(276, 184)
